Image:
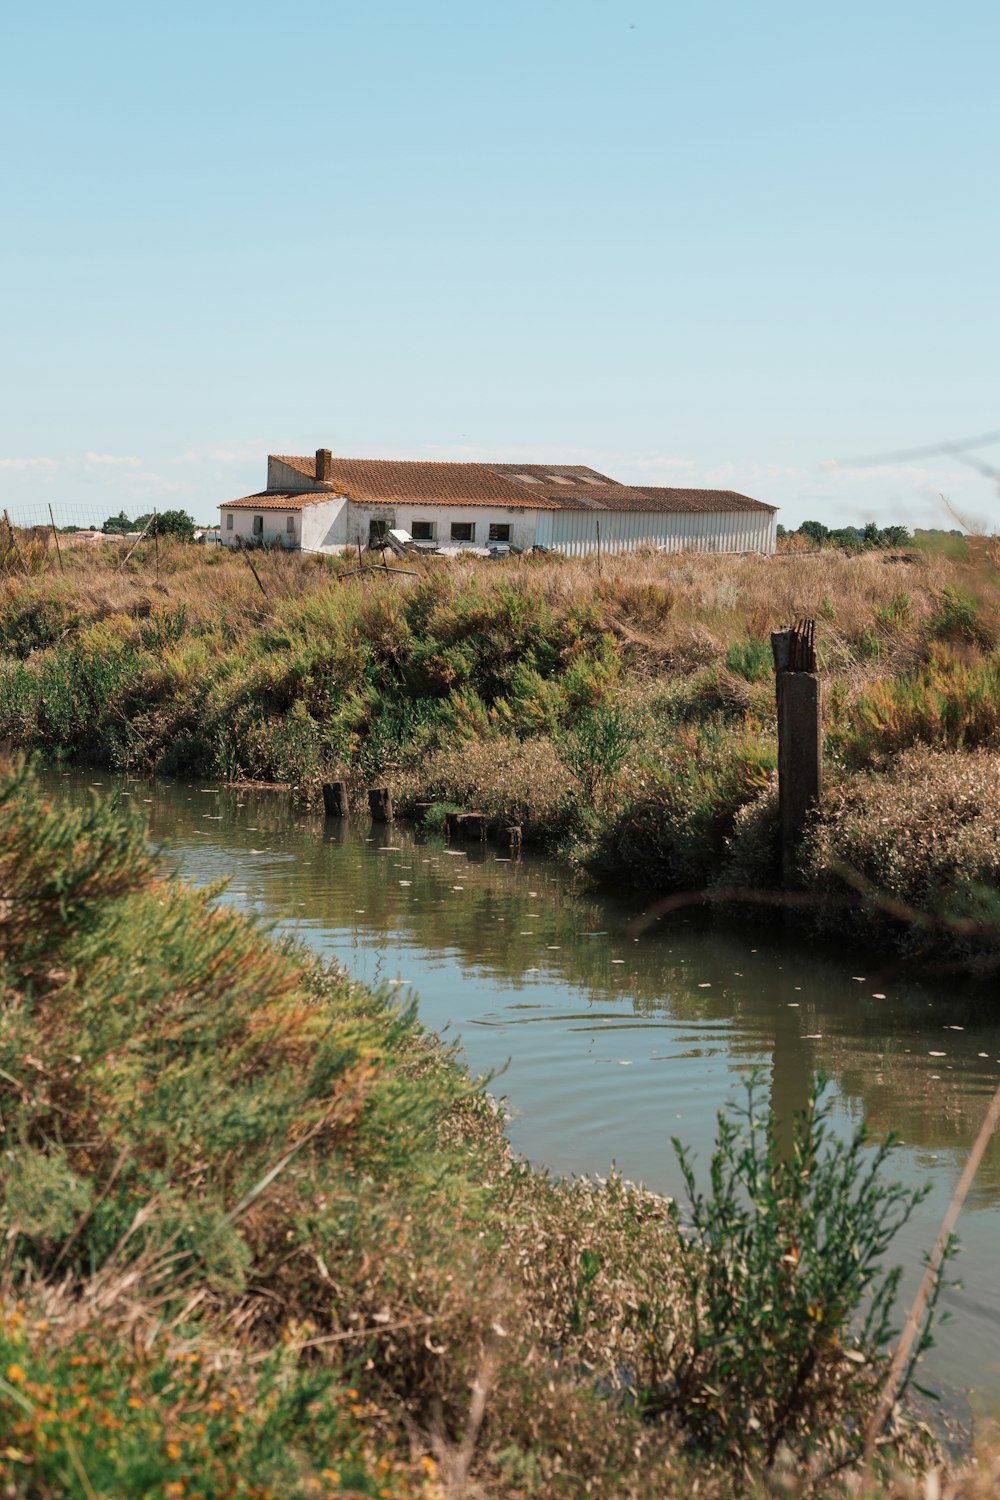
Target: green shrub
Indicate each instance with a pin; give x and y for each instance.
(895, 615)
(948, 702)
(750, 659)
(959, 617)
(784, 1269)
(670, 828)
(596, 748)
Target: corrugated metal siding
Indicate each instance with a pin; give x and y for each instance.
(575, 532)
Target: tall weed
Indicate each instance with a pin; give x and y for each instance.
(784, 1268)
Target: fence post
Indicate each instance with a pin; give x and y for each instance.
(800, 735)
(55, 533)
(17, 545)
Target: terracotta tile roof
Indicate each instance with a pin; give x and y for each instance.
(272, 500)
(652, 498)
(390, 481)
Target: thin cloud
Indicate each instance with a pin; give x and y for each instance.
(112, 460)
(27, 465)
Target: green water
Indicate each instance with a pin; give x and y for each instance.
(612, 1041)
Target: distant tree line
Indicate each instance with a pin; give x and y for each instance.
(852, 538)
(176, 523)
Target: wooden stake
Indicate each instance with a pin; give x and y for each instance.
(17, 546)
(135, 544)
(156, 548)
(598, 525)
(249, 560)
(56, 535)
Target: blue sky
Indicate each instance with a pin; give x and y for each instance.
(711, 244)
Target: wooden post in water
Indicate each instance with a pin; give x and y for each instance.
(335, 799)
(380, 804)
(800, 735)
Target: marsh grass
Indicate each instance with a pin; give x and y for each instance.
(624, 717)
(264, 1237)
(918, 842)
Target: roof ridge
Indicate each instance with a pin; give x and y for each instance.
(464, 463)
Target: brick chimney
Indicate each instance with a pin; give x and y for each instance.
(324, 464)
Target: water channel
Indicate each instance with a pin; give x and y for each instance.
(612, 1042)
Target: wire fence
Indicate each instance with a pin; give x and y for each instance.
(81, 515)
(42, 520)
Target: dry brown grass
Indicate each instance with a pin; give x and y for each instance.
(922, 836)
(651, 599)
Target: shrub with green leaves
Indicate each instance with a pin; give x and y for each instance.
(751, 659)
(784, 1266)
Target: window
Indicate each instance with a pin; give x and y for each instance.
(463, 531)
(378, 528)
(290, 525)
(258, 525)
(499, 532)
(229, 520)
(422, 531)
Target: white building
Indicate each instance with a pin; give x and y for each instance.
(325, 504)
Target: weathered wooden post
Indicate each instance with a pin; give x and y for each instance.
(800, 735)
(380, 803)
(335, 799)
(17, 545)
(56, 535)
(452, 824)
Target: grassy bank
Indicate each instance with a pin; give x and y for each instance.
(622, 717)
(263, 1237)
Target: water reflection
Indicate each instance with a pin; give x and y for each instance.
(616, 1042)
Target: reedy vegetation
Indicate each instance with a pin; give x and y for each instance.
(623, 717)
(262, 1235)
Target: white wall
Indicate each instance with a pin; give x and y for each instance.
(330, 525)
(275, 527)
(324, 525)
(575, 531)
(283, 477)
(521, 522)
